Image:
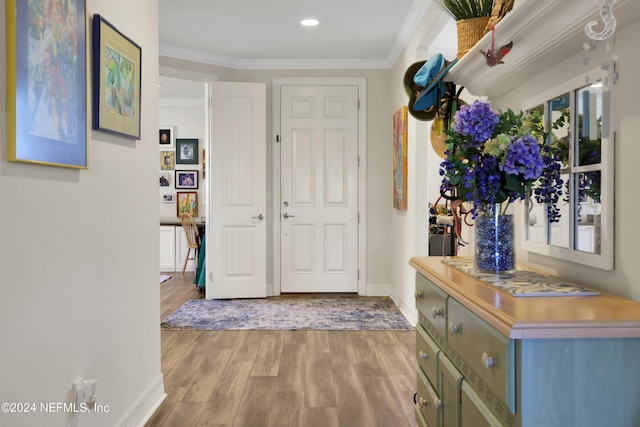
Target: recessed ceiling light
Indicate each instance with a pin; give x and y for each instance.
(309, 22)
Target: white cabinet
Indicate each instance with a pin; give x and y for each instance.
(173, 249)
(167, 248)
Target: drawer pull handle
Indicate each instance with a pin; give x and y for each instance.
(436, 312)
(487, 361)
(454, 328)
(437, 403)
(418, 294)
(423, 355)
(422, 402)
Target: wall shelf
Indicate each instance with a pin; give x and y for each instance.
(544, 33)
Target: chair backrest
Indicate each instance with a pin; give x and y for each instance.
(190, 230)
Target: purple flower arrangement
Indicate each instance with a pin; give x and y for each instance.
(494, 158)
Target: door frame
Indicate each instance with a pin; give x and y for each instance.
(361, 82)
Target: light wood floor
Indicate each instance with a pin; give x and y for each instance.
(283, 378)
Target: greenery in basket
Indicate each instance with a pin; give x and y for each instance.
(465, 9)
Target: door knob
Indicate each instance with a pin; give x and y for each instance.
(286, 215)
(259, 217)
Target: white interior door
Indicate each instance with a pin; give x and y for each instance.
(237, 236)
(319, 189)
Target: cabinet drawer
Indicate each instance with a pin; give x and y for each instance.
(428, 403)
(427, 354)
(431, 302)
(474, 413)
(489, 353)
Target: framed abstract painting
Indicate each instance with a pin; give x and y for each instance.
(47, 82)
(117, 62)
(400, 159)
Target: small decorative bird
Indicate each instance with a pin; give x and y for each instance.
(494, 57)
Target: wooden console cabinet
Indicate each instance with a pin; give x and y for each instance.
(486, 358)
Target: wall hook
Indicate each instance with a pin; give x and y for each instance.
(608, 19)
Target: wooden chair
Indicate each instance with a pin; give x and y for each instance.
(193, 239)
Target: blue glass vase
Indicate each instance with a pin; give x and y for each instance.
(494, 246)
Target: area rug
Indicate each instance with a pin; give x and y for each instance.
(164, 277)
(362, 313)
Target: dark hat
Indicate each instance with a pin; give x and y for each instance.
(426, 89)
(409, 84)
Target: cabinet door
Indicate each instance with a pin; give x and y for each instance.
(427, 354)
(428, 403)
(474, 413)
(181, 251)
(450, 386)
(167, 248)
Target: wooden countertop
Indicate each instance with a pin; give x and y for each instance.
(602, 316)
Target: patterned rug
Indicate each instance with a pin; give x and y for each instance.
(362, 313)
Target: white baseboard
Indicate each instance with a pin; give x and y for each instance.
(378, 290)
(145, 406)
(409, 310)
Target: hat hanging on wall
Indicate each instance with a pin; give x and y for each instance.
(437, 136)
(424, 84)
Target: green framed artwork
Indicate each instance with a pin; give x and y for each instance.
(187, 151)
(47, 82)
(117, 62)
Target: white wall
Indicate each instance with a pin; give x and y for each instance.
(79, 292)
(411, 228)
(188, 120)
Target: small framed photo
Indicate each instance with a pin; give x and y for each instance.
(165, 137)
(167, 160)
(168, 198)
(117, 62)
(187, 203)
(164, 179)
(187, 151)
(187, 179)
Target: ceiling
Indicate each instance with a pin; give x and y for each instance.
(260, 34)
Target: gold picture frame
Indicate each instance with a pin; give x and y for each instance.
(47, 83)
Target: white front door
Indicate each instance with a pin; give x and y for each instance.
(237, 235)
(319, 189)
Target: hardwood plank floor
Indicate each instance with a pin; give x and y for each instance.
(282, 378)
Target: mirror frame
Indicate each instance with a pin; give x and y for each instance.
(605, 258)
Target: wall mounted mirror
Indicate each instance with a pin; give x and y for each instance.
(577, 120)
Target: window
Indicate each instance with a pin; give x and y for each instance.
(577, 119)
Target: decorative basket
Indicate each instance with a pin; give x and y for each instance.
(500, 9)
(470, 31)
